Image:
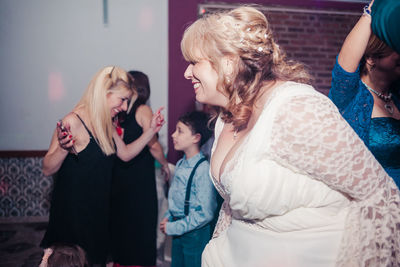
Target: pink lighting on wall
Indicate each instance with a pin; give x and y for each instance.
(56, 89)
(146, 18)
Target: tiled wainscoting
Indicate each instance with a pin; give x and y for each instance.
(24, 190)
(24, 208)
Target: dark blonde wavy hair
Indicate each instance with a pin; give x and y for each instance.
(244, 35)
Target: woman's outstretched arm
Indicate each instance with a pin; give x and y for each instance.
(355, 43)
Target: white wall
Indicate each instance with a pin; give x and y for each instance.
(50, 49)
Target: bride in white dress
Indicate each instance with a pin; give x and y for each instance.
(300, 188)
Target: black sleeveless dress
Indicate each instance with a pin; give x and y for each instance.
(80, 204)
(134, 204)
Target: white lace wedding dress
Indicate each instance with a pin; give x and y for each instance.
(303, 191)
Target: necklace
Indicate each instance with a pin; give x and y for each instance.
(386, 98)
(235, 134)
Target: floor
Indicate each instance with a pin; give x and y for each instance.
(19, 242)
(19, 245)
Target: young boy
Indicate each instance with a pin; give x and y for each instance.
(190, 224)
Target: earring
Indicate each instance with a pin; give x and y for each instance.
(371, 66)
(370, 63)
(228, 80)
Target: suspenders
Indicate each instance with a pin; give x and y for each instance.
(189, 185)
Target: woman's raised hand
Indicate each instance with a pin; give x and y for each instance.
(157, 121)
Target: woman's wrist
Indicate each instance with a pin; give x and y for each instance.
(149, 133)
(367, 11)
(164, 165)
(63, 150)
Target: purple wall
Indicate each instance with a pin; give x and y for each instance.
(181, 13)
(180, 91)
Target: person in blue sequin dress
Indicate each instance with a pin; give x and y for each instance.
(365, 88)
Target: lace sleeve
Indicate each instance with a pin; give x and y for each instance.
(310, 136)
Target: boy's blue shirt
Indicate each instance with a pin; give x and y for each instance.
(203, 202)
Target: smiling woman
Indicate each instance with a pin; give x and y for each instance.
(204, 79)
(82, 152)
(300, 188)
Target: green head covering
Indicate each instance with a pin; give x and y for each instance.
(386, 22)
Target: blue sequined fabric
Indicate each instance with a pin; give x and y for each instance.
(355, 103)
(353, 100)
(384, 143)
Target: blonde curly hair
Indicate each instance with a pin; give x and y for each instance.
(244, 35)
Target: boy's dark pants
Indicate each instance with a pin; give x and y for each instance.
(187, 248)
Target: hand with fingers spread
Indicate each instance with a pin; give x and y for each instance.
(157, 120)
(128, 151)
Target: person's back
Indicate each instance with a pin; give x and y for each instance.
(192, 196)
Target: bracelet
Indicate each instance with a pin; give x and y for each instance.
(366, 11)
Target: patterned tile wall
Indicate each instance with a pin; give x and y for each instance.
(24, 190)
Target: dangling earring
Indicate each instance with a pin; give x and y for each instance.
(370, 63)
(373, 66)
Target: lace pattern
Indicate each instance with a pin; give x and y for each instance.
(309, 134)
(223, 187)
(225, 214)
(224, 219)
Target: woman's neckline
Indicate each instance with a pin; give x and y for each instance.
(383, 118)
(226, 162)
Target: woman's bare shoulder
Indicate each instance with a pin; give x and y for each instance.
(143, 114)
(73, 123)
(144, 110)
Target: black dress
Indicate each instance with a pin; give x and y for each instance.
(80, 204)
(134, 204)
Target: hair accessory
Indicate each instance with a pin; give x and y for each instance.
(110, 74)
(260, 49)
(386, 98)
(366, 11)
